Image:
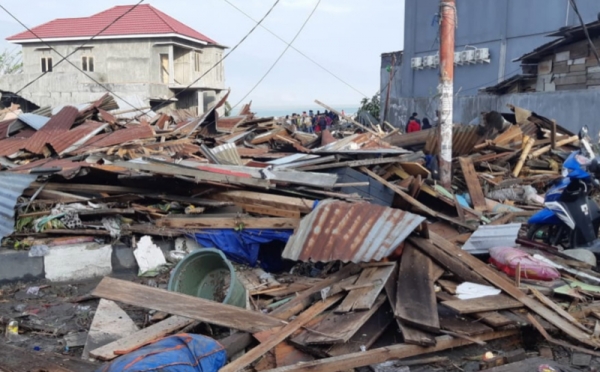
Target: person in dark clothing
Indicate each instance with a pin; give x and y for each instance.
(426, 124)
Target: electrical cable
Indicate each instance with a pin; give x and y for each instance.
(221, 60)
(65, 58)
(585, 30)
(299, 52)
(281, 55)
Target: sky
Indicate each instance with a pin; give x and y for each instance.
(346, 37)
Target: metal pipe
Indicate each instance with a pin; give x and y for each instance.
(446, 87)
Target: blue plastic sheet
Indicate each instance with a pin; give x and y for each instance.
(241, 246)
(180, 353)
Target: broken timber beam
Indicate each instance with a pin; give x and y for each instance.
(472, 181)
(227, 223)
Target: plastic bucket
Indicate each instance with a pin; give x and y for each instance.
(208, 274)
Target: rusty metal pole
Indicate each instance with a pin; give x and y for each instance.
(446, 88)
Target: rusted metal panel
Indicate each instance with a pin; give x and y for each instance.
(56, 127)
(246, 152)
(229, 124)
(118, 137)
(73, 139)
(11, 188)
(357, 232)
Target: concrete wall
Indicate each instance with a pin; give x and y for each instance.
(509, 28)
(571, 109)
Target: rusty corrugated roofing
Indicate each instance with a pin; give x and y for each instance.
(357, 232)
(118, 137)
(73, 139)
(57, 126)
(229, 124)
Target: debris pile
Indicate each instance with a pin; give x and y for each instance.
(332, 251)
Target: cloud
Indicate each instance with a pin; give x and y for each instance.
(328, 6)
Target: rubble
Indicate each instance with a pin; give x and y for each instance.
(341, 240)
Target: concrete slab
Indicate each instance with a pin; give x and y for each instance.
(78, 262)
(17, 266)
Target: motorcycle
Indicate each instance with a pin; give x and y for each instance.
(570, 217)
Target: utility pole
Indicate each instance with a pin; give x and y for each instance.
(446, 88)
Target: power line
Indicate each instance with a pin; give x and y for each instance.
(281, 55)
(65, 58)
(299, 52)
(585, 29)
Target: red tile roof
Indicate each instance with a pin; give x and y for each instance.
(143, 20)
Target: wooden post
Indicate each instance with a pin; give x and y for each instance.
(553, 135)
(523, 157)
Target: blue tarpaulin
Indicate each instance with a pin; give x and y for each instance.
(180, 353)
(241, 246)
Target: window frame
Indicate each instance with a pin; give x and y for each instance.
(87, 63)
(46, 64)
(197, 61)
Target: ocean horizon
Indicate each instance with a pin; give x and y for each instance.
(289, 110)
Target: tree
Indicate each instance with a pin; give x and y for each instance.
(371, 106)
(10, 62)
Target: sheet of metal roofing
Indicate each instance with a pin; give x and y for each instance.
(356, 232)
(10, 146)
(227, 153)
(75, 138)
(489, 236)
(58, 125)
(121, 136)
(36, 122)
(11, 188)
(229, 124)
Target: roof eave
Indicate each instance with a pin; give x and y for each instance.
(111, 37)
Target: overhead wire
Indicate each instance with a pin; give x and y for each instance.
(65, 58)
(281, 55)
(585, 29)
(299, 51)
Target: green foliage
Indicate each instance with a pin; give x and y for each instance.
(371, 106)
(22, 223)
(10, 62)
(228, 108)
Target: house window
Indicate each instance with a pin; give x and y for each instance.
(197, 61)
(46, 64)
(87, 63)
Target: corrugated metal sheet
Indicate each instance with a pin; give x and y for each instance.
(4, 127)
(10, 146)
(58, 125)
(489, 236)
(464, 138)
(73, 139)
(358, 232)
(227, 153)
(229, 124)
(36, 122)
(121, 136)
(11, 188)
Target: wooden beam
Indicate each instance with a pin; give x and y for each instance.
(415, 300)
(545, 149)
(263, 199)
(375, 356)
(184, 305)
(524, 154)
(500, 282)
(138, 339)
(553, 135)
(364, 298)
(466, 164)
(449, 262)
(414, 202)
(280, 336)
(227, 223)
(353, 163)
(482, 304)
(548, 302)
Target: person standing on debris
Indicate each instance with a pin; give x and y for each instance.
(414, 124)
(426, 124)
(308, 124)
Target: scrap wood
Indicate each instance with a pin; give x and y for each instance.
(363, 298)
(473, 184)
(495, 279)
(138, 339)
(561, 143)
(285, 332)
(415, 299)
(548, 302)
(184, 305)
(278, 201)
(179, 222)
(415, 203)
(374, 356)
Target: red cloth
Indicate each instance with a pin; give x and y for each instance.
(413, 126)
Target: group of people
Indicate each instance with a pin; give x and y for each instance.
(311, 122)
(414, 124)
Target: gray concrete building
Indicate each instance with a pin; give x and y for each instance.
(140, 53)
(490, 36)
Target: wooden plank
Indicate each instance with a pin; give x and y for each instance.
(367, 334)
(278, 201)
(415, 300)
(140, 338)
(415, 169)
(184, 305)
(364, 298)
(304, 299)
(411, 335)
(287, 355)
(375, 356)
(466, 164)
(353, 163)
(337, 327)
(280, 336)
(227, 223)
(447, 261)
(482, 304)
(495, 279)
(493, 318)
(450, 322)
(414, 202)
(269, 211)
(548, 302)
